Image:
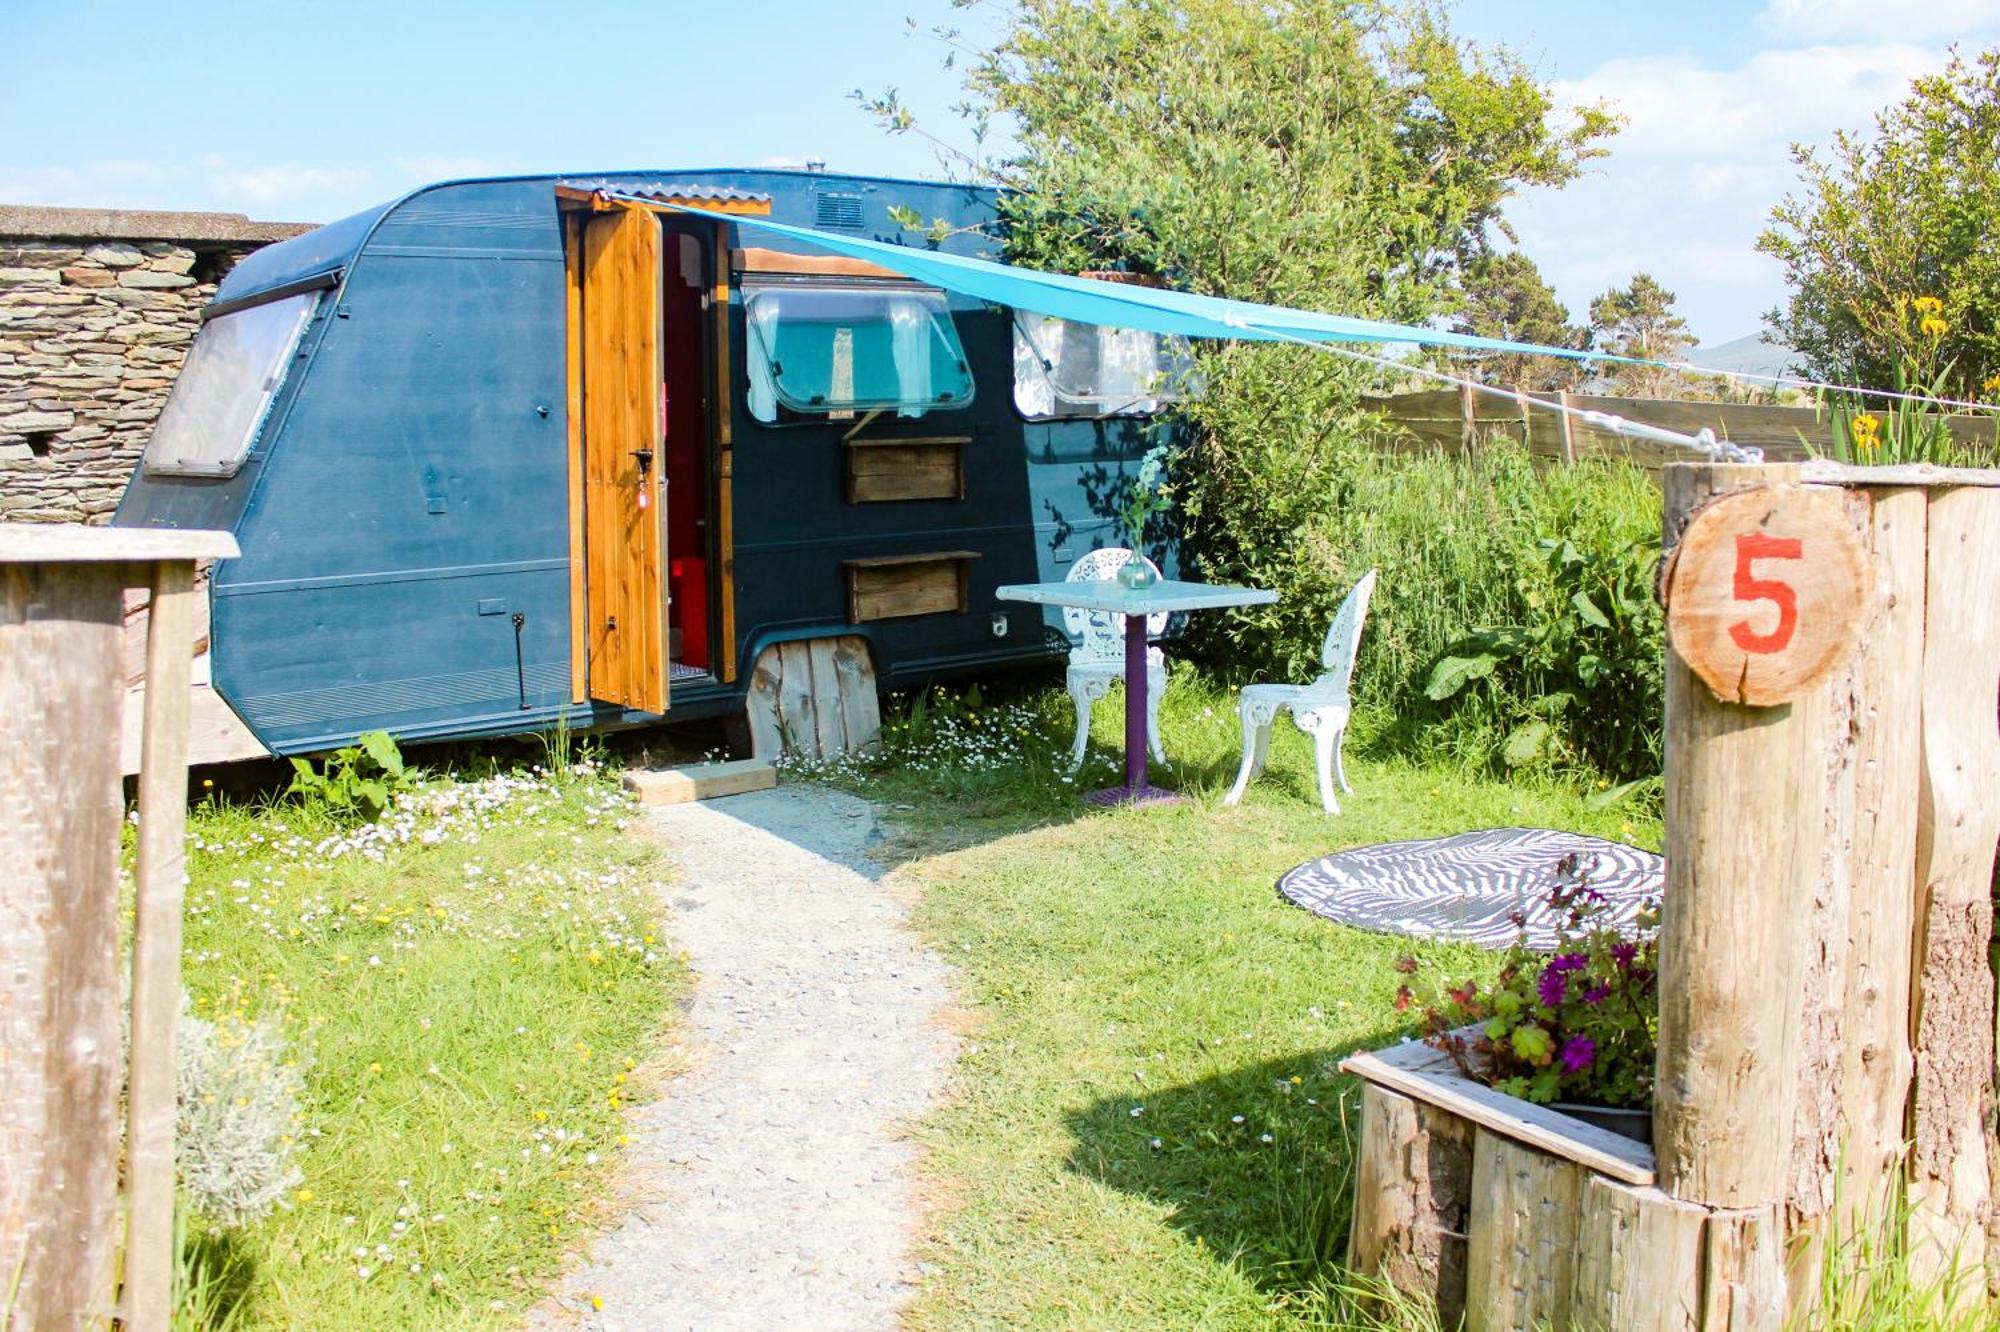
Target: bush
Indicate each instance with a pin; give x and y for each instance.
(358, 781)
(1299, 498)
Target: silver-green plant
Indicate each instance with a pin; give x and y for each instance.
(238, 1130)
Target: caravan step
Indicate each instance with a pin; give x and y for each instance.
(700, 781)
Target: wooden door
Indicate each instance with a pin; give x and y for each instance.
(624, 521)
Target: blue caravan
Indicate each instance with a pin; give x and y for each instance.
(507, 451)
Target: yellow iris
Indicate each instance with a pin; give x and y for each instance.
(1933, 327)
(1929, 305)
(1867, 432)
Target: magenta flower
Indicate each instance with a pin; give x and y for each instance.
(1597, 994)
(1577, 1053)
(1623, 953)
(1552, 987)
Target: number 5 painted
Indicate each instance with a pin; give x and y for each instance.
(1750, 547)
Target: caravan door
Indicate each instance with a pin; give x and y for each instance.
(624, 522)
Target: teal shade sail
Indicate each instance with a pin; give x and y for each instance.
(820, 348)
(1125, 305)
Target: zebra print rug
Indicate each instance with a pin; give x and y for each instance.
(1470, 886)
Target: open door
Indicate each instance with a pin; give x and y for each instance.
(624, 521)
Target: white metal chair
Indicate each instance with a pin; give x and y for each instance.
(1099, 659)
(1320, 709)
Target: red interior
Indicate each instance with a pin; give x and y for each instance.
(686, 417)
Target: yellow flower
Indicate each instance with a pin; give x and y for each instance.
(1933, 327)
(304, 1195)
(1929, 305)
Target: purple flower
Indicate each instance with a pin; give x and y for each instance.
(1623, 953)
(1597, 994)
(1552, 987)
(1577, 1053)
(1568, 962)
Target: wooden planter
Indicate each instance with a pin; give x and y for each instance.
(1827, 1025)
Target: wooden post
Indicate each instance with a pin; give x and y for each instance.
(1468, 417)
(1745, 815)
(1958, 822)
(1567, 427)
(1521, 1255)
(156, 949)
(60, 804)
(62, 661)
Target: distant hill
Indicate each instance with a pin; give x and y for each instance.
(1753, 354)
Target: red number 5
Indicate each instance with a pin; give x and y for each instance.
(1757, 546)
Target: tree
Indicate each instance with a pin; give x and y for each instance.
(1638, 320)
(1892, 247)
(1344, 155)
(1507, 297)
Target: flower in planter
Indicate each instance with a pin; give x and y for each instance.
(1579, 1023)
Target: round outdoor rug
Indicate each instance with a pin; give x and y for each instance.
(1470, 886)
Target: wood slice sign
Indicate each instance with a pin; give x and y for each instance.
(1764, 592)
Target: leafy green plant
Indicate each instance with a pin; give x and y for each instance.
(1580, 1023)
(1150, 494)
(1590, 647)
(360, 779)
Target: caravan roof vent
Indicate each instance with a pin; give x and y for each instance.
(831, 209)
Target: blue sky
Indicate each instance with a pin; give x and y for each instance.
(292, 111)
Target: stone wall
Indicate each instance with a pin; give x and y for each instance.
(97, 309)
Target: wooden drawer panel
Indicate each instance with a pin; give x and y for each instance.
(889, 587)
(905, 469)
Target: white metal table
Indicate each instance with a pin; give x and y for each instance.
(1135, 604)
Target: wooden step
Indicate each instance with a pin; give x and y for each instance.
(700, 781)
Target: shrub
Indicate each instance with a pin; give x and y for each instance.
(359, 780)
(238, 1126)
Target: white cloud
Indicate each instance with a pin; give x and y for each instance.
(1678, 108)
(1705, 154)
(279, 185)
(1873, 20)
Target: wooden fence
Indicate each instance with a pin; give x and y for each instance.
(1826, 1031)
(1461, 419)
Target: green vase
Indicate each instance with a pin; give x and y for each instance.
(1136, 573)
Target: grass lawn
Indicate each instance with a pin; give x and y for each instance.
(1147, 1128)
(470, 982)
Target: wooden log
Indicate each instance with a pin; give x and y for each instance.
(1412, 1186)
(829, 738)
(760, 704)
(60, 1062)
(798, 721)
(1521, 1238)
(1638, 1260)
(700, 781)
(814, 697)
(1745, 818)
(1876, 799)
(1958, 823)
(156, 949)
(1743, 1271)
(854, 685)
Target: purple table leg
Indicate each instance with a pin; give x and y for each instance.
(1137, 790)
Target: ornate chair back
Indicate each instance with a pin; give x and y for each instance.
(1337, 653)
(1102, 632)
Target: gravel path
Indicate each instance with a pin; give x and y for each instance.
(772, 1189)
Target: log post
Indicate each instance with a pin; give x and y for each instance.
(1568, 427)
(61, 660)
(1957, 824)
(1745, 816)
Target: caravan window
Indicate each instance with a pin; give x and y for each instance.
(225, 388)
(830, 350)
(1063, 369)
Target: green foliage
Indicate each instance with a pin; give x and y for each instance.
(1638, 320)
(1578, 1023)
(1913, 210)
(1588, 658)
(1507, 297)
(357, 781)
